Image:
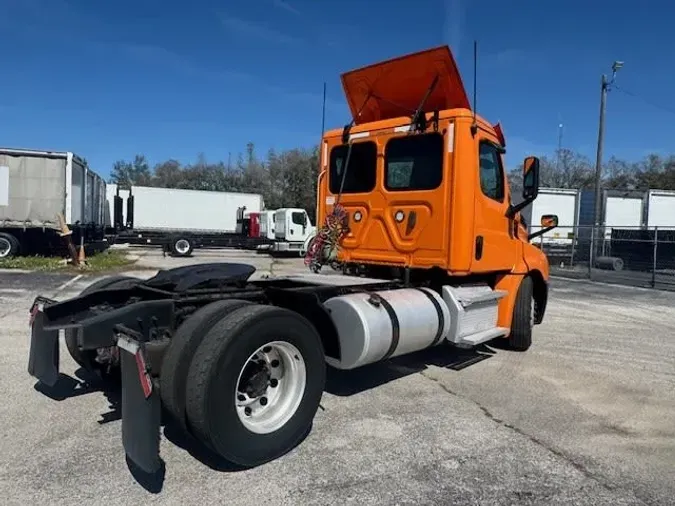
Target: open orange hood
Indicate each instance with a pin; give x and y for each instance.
(396, 87)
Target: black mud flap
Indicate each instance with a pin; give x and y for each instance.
(43, 360)
(141, 407)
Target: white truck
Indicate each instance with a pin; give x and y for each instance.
(267, 224)
(36, 187)
(293, 231)
(182, 220)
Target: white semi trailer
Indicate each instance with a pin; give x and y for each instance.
(38, 187)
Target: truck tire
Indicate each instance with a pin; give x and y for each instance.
(9, 246)
(181, 246)
(255, 384)
(183, 345)
(86, 358)
(520, 338)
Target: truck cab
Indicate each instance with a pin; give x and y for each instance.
(292, 230)
(427, 194)
(267, 224)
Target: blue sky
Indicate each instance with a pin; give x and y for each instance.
(171, 79)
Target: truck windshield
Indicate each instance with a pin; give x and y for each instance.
(360, 177)
(414, 162)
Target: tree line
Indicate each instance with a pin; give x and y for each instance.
(568, 169)
(284, 179)
(288, 178)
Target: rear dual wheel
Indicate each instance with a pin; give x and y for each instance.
(254, 381)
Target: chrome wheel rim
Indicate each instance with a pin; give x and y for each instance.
(270, 387)
(182, 246)
(5, 247)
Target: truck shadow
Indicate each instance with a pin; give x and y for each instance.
(338, 382)
(83, 383)
(346, 383)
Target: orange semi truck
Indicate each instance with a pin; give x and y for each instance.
(415, 204)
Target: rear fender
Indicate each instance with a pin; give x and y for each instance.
(308, 304)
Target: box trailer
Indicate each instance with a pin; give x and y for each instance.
(38, 187)
(661, 209)
(623, 209)
(562, 202)
(190, 210)
(181, 220)
(622, 216)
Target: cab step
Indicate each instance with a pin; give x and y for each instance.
(473, 314)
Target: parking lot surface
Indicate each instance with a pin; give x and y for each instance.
(586, 416)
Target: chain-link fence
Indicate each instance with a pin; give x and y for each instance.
(634, 256)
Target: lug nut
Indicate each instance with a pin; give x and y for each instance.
(263, 401)
(247, 411)
(275, 363)
(241, 397)
(274, 382)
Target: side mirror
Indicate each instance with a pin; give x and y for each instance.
(530, 178)
(549, 221)
(530, 185)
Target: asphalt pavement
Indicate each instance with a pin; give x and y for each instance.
(586, 416)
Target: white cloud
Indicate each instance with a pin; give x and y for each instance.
(281, 4)
(248, 29)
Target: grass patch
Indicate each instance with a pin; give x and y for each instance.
(106, 261)
(33, 263)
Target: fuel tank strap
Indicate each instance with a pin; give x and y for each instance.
(375, 299)
(441, 318)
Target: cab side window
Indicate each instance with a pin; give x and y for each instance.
(491, 171)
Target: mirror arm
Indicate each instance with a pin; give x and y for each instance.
(512, 210)
(538, 233)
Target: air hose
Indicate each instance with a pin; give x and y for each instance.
(325, 245)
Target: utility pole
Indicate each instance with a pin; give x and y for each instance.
(604, 88)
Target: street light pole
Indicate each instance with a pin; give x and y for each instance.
(560, 135)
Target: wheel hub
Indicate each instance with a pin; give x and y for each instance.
(270, 387)
(257, 380)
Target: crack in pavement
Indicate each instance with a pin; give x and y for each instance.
(601, 480)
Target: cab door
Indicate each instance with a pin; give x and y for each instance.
(495, 245)
(297, 225)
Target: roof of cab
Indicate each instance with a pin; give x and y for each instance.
(396, 87)
(405, 120)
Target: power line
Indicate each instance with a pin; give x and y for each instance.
(646, 101)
